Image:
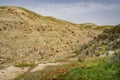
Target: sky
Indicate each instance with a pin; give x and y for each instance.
(100, 12)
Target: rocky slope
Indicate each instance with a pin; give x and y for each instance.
(26, 36)
(104, 44)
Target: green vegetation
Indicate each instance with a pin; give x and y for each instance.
(92, 69)
(28, 36)
(103, 71)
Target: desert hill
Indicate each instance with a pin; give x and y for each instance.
(26, 36)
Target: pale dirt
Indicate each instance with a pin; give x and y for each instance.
(41, 67)
(12, 71)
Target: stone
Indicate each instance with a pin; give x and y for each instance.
(117, 57)
(109, 53)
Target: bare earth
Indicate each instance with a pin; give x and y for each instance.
(12, 71)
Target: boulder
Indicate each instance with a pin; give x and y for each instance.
(108, 53)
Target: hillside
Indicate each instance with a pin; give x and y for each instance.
(98, 65)
(26, 36)
(107, 42)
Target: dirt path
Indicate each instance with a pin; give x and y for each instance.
(12, 71)
(44, 66)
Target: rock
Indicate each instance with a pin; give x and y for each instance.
(117, 57)
(109, 53)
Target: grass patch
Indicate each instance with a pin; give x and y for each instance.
(103, 71)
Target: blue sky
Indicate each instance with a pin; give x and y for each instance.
(101, 12)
